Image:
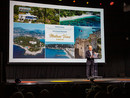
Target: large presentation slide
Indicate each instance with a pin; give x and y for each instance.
(54, 33)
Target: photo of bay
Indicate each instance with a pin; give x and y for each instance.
(59, 51)
(79, 18)
(28, 40)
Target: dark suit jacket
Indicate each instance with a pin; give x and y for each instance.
(89, 60)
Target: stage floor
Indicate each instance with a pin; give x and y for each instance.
(69, 81)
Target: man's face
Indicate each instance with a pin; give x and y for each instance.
(90, 48)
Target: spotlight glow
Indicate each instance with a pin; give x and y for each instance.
(111, 3)
(74, 1)
(87, 2)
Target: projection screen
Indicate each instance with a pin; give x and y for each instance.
(54, 33)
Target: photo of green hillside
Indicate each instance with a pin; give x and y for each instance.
(27, 14)
(66, 13)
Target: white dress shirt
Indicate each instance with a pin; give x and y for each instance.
(91, 53)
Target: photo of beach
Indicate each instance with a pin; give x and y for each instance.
(27, 14)
(85, 36)
(79, 18)
(28, 40)
(62, 51)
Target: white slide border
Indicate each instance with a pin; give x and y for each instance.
(37, 60)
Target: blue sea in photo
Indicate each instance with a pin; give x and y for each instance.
(91, 21)
(83, 32)
(47, 43)
(18, 52)
(55, 53)
(42, 40)
(29, 26)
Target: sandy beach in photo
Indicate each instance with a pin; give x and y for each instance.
(74, 17)
(68, 53)
(27, 52)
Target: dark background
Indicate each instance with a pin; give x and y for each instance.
(117, 45)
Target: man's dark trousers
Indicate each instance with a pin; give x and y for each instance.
(90, 69)
(89, 64)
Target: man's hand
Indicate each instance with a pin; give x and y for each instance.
(91, 56)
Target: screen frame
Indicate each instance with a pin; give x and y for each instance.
(45, 60)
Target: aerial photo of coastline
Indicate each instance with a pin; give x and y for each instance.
(85, 36)
(28, 40)
(59, 51)
(80, 18)
(27, 14)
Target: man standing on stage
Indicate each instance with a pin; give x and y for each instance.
(90, 55)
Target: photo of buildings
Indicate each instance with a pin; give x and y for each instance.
(85, 36)
(27, 14)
